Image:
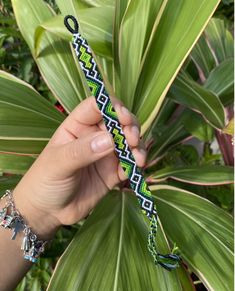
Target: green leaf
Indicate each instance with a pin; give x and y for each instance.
(135, 31)
(96, 24)
(120, 8)
(11, 87)
(55, 61)
(100, 3)
(189, 93)
(196, 125)
(54, 25)
(220, 39)
(229, 129)
(166, 112)
(15, 164)
(27, 120)
(221, 81)
(203, 57)
(8, 182)
(35, 285)
(200, 175)
(214, 46)
(22, 123)
(22, 285)
(107, 69)
(20, 145)
(168, 135)
(166, 138)
(177, 28)
(114, 236)
(185, 280)
(202, 231)
(71, 7)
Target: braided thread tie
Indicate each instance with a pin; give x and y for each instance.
(169, 261)
(122, 149)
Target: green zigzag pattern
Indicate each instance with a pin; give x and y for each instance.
(118, 139)
(94, 87)
(85, 57)
(109, 110)
(144, 190)
(127, 167)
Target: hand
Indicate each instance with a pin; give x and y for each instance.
(76, 169)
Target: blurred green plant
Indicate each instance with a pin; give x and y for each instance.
(186, 122)
(225, 10)
(15, 55)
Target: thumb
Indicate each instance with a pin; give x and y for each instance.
(85, 150)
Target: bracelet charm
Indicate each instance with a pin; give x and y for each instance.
(10, 218)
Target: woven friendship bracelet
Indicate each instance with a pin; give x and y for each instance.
(127, 161)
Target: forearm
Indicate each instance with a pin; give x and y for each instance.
(13, 266)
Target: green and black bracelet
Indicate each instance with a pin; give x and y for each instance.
(127, 161)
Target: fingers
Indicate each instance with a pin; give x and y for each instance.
(125, 116)
(80, 120)
(84, 118)
(139, 154)
(85, 114)
(131, 129)
(81, 152)
(132, 135)
(78, 130)
(131, 126)
(129, 122)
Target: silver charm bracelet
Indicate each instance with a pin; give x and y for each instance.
(10, 218)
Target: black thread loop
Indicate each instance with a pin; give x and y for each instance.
(75, 23)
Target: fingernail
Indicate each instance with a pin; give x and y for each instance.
(135, 131)
(143, 152)
(125, 110)
(101, 143)
(117, 107)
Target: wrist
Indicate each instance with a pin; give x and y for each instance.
(42, 223)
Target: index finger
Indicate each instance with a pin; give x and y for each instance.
(87, 113)
(82, 117)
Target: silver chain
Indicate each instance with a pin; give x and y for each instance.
(11, 218)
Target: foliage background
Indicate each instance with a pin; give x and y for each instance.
(201, 146)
